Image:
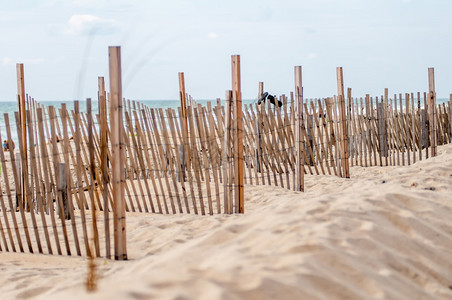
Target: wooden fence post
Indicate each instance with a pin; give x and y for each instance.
(310, 137)
(349, 115)
(258, 130)
(19, 184)
(238, 140)
(104, 161)
(343, 121)
(382, 132)
(117, 127)
(432, 110)
(92, 173)
(91, 282)
(450, 118)
(226, 154)
(183, 105)
(23, 123)
(407, 127)
(299, 127)
(62, 188)
(21, 104)
(385, 117)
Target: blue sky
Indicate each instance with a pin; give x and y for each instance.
(379, 43)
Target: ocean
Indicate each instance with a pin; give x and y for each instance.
(10, 107)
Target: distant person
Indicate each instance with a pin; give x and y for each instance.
(6, 146)
(273, 100)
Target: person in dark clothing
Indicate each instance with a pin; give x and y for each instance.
(273, 100)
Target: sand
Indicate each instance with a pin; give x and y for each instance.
(386, 233)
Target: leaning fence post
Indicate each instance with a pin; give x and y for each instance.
(344, 148)
(310, 138)
(181, 176)
(183, 105)
(62, 189)
(382, 131)
(20, 183)
(299, 127)
(92, 173)
(116, 125)
(258, 127)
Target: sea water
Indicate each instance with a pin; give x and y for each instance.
(10, 107)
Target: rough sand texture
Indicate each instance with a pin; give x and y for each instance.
(384, 234)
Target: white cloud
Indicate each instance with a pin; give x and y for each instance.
(89, 24)
(6, 61)
(212, 35)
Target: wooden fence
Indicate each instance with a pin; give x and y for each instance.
(379, 132)
(63, 172)
(194, 159)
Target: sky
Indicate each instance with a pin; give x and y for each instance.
(380, 44)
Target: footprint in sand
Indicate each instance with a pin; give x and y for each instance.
(33, 292)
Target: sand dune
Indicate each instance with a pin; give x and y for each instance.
(384, 234)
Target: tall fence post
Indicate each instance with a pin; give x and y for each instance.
(343, 122)
(351, 145)
(104, 161)
(227, 171)
(91, 282)
(299, 127)
(432, 110)
(183, 105)
(450, 118)
(21, 104)
(238, 141)
(382, 132)
(92, 173)
(23, 123)
(385, 117)
(117, 127)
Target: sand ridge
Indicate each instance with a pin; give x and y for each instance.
(383, 234)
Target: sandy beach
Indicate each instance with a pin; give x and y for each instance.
(383, 234)
(178, 136)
